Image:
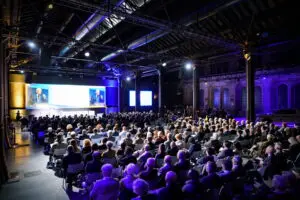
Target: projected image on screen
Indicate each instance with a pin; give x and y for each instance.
(145, 98)
(44, 96)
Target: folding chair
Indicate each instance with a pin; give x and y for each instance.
(96, 140)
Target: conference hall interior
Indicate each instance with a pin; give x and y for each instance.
(149, 100)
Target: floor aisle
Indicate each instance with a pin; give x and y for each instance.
(35, 181)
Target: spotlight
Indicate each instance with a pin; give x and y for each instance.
(164, 64)
(128, 78)
(50, 6)
(87, 54)
(31, 44)
(188, 66)
(22, 72)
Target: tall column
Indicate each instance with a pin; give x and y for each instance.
(250, 75)
(119, 93)
(3, 110)
(160, 90)
(195, 91)
(137, 91)
(221, 97)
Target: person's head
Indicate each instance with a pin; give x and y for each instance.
(298, 138)
(150, 163)
(227, 165)
(109, 133)
(87, 143)
(130, 169)
(161, 148)
(193, 174)
(160, 134)
(104, 140)
(178, 137)
(73, 134)
(140, 187)
(210, 151)
(181, 155)
(59, 137)
(173, 144)
(84, 131)
(149, 139)
(128, 151)
(147, 147)
(123, 145)
(169, 137)
(278, 147)
(70, 149)
(124, 128)
(168, 159)
(49, 129)
(292, 140)
(69, 127)
(170, 177)
(270, 137)
(227, 144)
(279, 183)
(269, 149)
(95, 147)
(210, 167)
(74, 144)
(109, 144)
(107, 170)
(237, 160)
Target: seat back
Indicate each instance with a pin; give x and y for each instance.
(96, 140)
(59, 152)
(81, 143)
(75, 168)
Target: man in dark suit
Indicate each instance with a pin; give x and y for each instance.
(98, 97)
(226, 174)
(107, 187)
(212, 180)
(39, 97)
(94, 165)
(171, 190)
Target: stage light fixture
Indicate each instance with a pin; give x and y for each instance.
(164, 64)
(31, 44)
(22, 72)
(50, 6)
(128, 78)
(87, 54)
(188, 66)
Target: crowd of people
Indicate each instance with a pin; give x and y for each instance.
(146, 155)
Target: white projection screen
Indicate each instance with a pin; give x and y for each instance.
(44, 96)
(145, 98)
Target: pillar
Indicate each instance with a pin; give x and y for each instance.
(119, 93)
(195, 92)
(137, 90)
(160, 90)
(250, 75)
(3, 110)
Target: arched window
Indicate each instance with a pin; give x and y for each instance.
(282, 97)
(226, 102)
(216, 98)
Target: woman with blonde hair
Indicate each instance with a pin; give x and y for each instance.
(179, 142)
(87, 146)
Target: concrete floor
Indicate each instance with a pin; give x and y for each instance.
(35, 180)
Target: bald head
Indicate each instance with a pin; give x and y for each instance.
(107, 170)
(170, 177)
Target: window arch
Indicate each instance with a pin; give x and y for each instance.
(216, 95)
(226, 102)
(282, 102)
